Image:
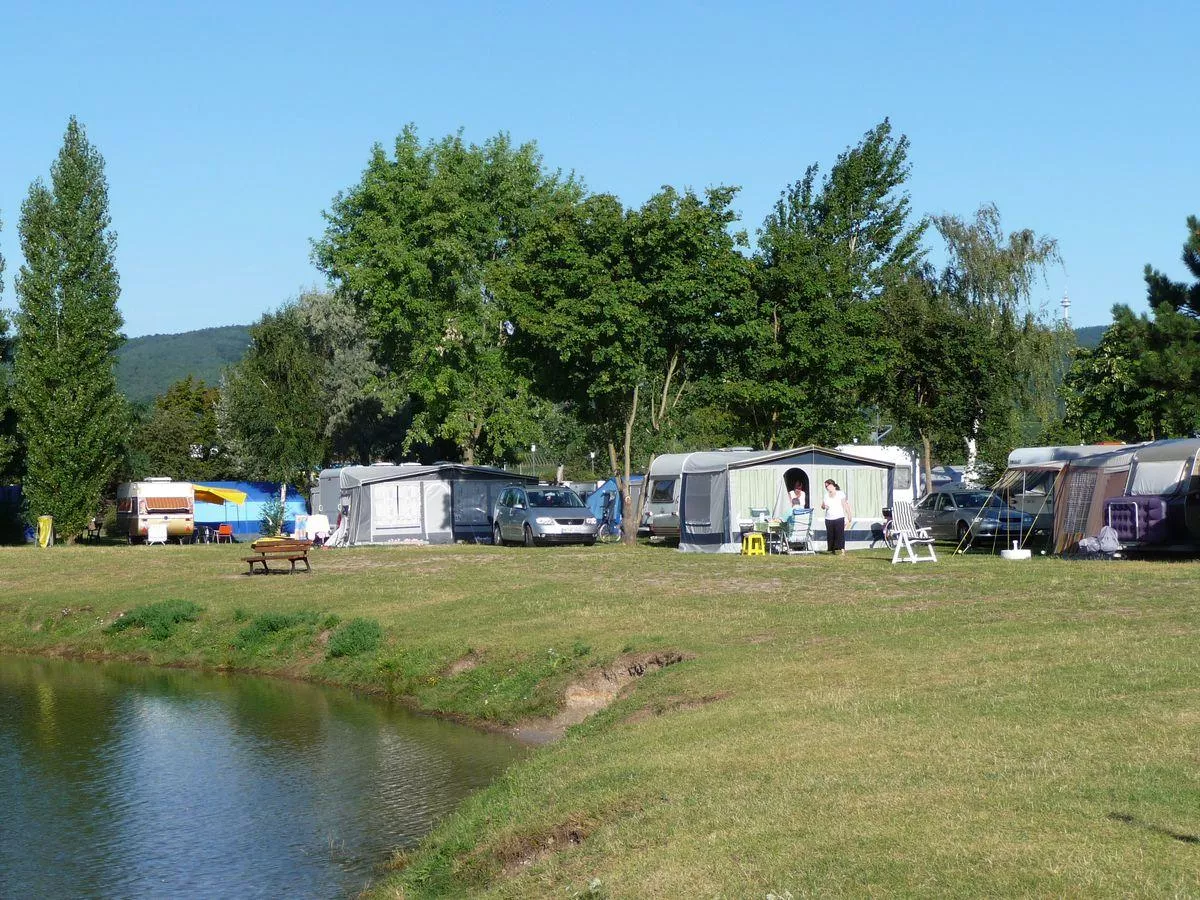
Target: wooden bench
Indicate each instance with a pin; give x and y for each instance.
(278, 548)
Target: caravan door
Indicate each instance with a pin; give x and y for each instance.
(1191, 503)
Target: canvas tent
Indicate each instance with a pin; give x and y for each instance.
(1036, 477)
(439, 504)
(244, 517)
(1149, 492)
(721, 488)
(598, 498)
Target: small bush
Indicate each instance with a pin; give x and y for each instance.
(355, 637)
(268, 624)
(271, 523)
(159, 619)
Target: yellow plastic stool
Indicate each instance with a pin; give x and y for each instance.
(753, 544)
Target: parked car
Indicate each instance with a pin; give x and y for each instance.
(964, 516)
(542, 514)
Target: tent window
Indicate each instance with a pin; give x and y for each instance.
(396, 505)
(1079, 501)
(1157, 478)
(697, 498)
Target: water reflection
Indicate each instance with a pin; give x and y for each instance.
(120, 780)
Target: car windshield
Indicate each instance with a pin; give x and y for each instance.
(560, 499)
(980, 499)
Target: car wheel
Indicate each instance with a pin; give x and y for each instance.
(496, 539)
(964, 535)
(590, 542)
(529, 541)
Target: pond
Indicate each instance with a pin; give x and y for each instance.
(120, 780)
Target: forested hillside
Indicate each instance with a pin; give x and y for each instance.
(1089, 337)
(149, 365)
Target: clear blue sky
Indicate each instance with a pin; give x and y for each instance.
(228, 127)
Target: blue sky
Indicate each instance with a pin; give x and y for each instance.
(228, 127)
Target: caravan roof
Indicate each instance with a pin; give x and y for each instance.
(1168, 451)
(1057, 457)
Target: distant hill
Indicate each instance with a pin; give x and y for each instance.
(148, 365)
(1090, 337)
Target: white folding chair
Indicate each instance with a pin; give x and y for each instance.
(909, 537)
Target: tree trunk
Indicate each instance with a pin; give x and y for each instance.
(927, 460)
(971, 472)
(628, 523)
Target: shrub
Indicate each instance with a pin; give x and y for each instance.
(355, 637)
(159, 619)
(268, 624)
(271, 523)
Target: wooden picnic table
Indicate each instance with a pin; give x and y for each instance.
(289, 549)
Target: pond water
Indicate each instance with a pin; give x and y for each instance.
(130, 781)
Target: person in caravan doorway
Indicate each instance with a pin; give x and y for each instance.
(799, 498)
(837, 514)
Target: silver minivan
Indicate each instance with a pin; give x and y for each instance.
(542, 514)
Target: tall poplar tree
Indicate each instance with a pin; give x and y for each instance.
(8, 443)
(70, 414)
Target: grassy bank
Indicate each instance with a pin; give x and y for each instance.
(840, 726)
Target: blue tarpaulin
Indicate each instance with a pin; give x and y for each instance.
(246, 517)
(596, 500)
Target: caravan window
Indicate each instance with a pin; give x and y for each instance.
(663, 490)
(1156, 478)
(903, 478)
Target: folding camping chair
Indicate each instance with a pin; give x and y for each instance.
(908, 536)
(797, 535)
(225, 533)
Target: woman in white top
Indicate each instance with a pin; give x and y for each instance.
(799, 498)
(837, 514)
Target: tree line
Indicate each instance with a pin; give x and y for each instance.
(479, 304)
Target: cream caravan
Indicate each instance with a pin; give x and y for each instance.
(156, 501)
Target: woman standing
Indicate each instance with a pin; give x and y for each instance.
(837, 515)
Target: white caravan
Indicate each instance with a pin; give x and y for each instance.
(906, 484)
(156, 501)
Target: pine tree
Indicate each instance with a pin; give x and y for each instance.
(70, 414)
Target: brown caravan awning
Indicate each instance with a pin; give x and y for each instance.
(162, 505)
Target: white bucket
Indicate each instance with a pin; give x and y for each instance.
(1016, 554)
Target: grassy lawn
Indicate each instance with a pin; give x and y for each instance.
(840, 726)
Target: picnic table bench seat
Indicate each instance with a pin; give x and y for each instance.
(282, 549)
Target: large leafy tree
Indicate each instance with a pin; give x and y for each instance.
(1143, 380)
(829, 253)
(943, 349)
(993, 274)
(620, 313)
(304, 393)
(180, 438)
(271, 410)
(71, 417)
(415, 246)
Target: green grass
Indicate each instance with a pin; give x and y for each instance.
(841, 726)
(158, 619)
